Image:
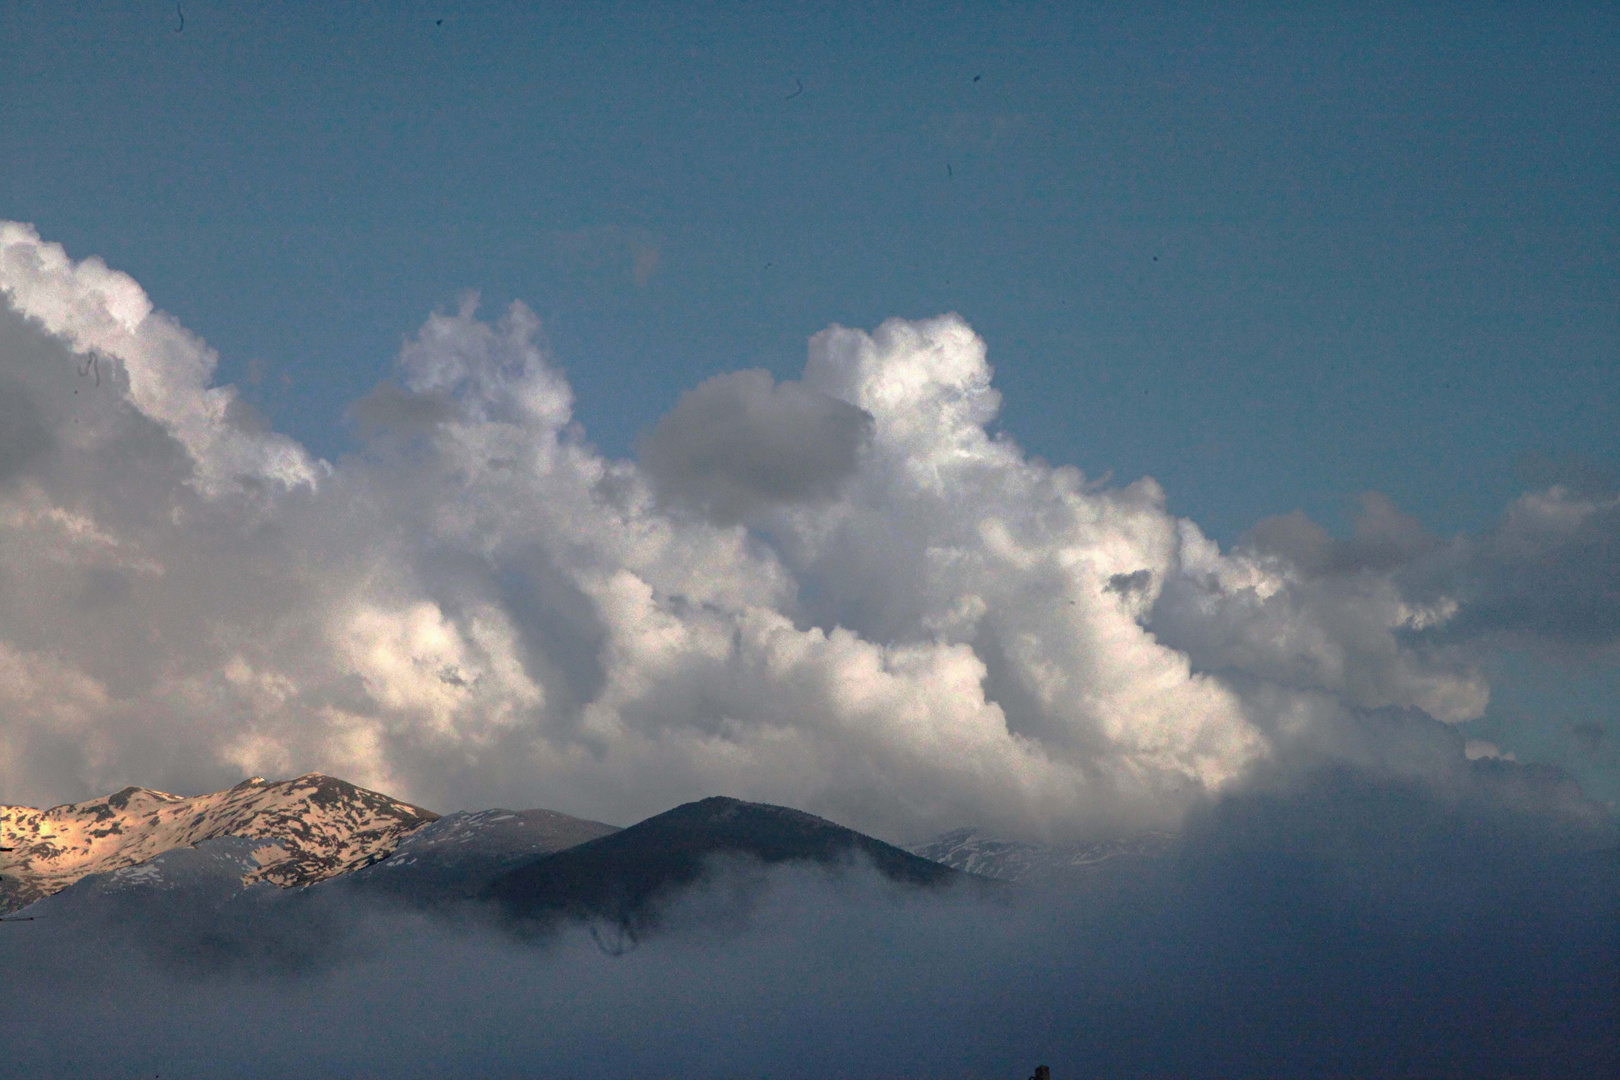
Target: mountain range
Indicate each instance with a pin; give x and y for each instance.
(528, 867)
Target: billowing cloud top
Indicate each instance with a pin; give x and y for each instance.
(843, 593)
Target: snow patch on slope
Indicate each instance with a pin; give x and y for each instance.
(318, 826)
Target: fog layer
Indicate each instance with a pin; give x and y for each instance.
(1335, 922)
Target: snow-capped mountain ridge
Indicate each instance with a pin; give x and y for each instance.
(313, 827)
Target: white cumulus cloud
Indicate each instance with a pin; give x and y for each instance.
(842, 593)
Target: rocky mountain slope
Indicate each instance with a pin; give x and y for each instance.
(461, 854)
(312, 828)
(214, 872)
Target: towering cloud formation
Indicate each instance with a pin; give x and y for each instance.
(162, 371)
(842, 593)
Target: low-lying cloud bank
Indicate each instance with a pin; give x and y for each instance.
(1336, 923)
(842, 593)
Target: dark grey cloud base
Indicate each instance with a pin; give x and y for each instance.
(1546, 575)
(741, 442)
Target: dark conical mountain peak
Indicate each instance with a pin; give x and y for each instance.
(739, 819)
(625, 877)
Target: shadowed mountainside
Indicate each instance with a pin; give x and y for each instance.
(623, 878)
(460, 855)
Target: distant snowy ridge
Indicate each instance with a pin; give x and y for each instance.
(314, 827)
(1012, 860)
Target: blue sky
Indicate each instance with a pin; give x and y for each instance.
(1273, 257)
